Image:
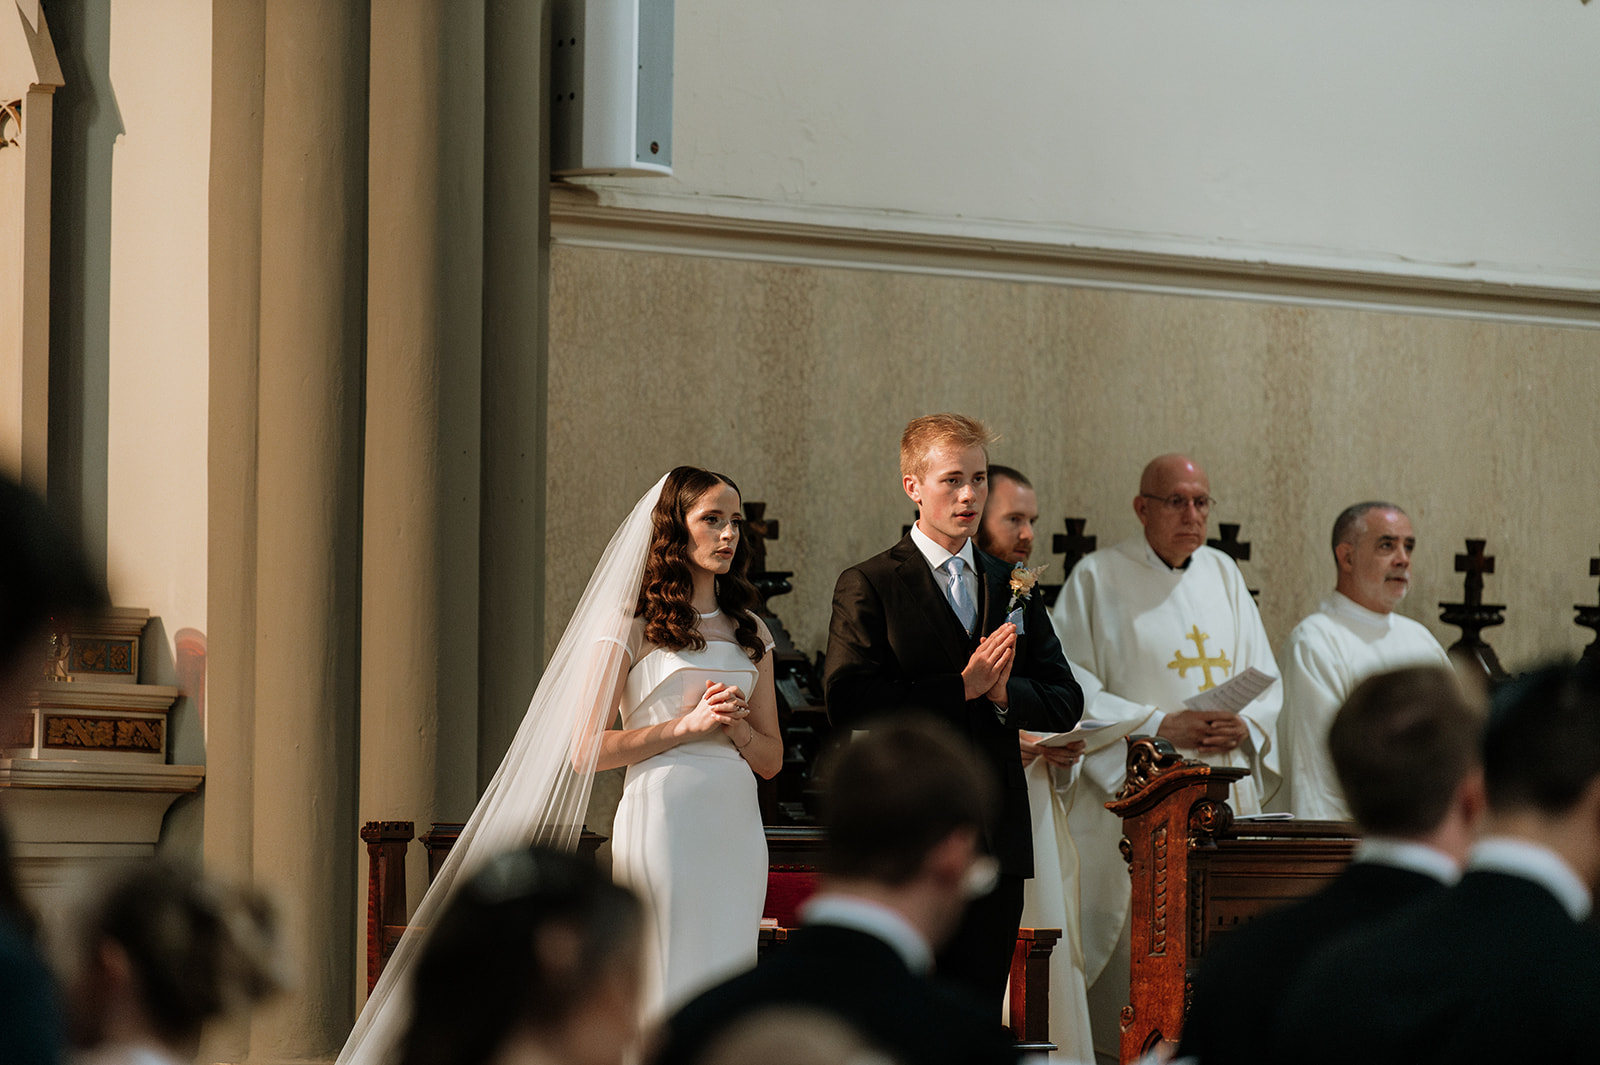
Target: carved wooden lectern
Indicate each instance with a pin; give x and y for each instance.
(1197, 872)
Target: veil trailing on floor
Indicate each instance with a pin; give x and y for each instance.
(540, 791)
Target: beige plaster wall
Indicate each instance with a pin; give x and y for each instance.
(156, 501)
(796, 381)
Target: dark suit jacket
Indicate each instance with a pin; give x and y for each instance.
(1492, 970)
(895, 644)
(1241, 982)
(859, 979)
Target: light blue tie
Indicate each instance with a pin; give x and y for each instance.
(966, 610)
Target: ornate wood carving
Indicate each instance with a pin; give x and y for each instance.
(1148, 758)
(145, 735)
(1207, 820)
(1190, 859)
(1158, 907)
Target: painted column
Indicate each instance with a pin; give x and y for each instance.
(419, 607)
(516, 276)
(308, 506)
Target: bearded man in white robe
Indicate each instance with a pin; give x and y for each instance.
(1147, 624)
(1354, 634)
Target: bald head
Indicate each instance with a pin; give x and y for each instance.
(1173, 532)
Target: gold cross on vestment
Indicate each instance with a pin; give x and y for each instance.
(1182, 663)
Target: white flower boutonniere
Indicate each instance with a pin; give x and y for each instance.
(1023, 581)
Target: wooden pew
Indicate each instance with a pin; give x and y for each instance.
(791, 878)
(1197, 873)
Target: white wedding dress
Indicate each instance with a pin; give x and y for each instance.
(688, 835)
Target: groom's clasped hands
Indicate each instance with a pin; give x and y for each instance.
(989, 668)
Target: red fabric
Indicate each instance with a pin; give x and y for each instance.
(787, 891)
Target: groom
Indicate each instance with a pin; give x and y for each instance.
(934, 625)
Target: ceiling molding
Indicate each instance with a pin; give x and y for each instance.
(577, 219)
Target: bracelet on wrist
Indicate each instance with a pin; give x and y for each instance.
(752, 738)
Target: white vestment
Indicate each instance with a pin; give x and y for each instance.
(1046, 905)
(1141, 638)
(1326, 656)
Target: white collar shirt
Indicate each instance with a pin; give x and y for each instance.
(1520, 857)
(1405, 854)
(873, 919)
(937, 556)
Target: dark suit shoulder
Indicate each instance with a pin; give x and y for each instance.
(1241, 980)
(858, 979)
(1455, 978)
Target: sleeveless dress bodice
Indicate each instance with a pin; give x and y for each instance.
(688, 835)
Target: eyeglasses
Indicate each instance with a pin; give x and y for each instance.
(1178, 504)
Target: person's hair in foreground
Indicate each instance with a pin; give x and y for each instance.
(667, 591)
(1401, 745)
(1542, 742)
(895, 793)
(539, 947)
(179, 949)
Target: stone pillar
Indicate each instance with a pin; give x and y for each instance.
(516, 277)
(238, 32)
(308, 507)
(419, 608)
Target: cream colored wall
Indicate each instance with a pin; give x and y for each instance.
(11, 214)
(796, 381)
(1430, 137)
(156, 462)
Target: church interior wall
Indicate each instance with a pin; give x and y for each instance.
(158, 395)
(1422, 138)
(129, 337)
(796, 380)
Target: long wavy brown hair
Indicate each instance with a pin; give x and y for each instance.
(666, 595)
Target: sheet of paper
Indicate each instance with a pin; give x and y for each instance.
(1061, 739)
(1232, 695)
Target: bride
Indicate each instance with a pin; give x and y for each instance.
(666, 637)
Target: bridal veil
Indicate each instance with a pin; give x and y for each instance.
(539, 793)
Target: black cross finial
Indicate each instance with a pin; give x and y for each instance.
(1072, 544)
(1589, 615)
(1474, 564)
(1230, 544)
(758, 529)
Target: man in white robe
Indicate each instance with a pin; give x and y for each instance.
(1147, 624)
(1354, 634)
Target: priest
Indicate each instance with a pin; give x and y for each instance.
(1147, 624)
(1354, 634)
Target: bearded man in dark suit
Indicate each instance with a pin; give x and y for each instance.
(934, 625)
(1406, 749)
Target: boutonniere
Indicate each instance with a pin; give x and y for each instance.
(1023, 581)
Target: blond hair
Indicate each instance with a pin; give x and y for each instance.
(930, 431)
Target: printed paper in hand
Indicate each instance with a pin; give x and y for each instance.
(1061, 739)
(1231, 696)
